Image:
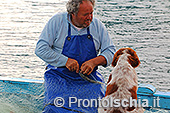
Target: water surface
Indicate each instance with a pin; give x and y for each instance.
(143, 25)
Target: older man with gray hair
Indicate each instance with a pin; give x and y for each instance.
(74, 44)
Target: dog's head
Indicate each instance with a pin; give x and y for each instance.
(132, 57)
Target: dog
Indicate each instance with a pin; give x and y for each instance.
(122, 82)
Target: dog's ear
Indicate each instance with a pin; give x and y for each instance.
(116, 56)
(115, 59)
(133, 58)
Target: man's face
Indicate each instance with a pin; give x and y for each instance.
(84, 16)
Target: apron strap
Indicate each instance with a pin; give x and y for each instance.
(88, 31)
(69, 29)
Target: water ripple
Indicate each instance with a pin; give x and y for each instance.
(140, 24)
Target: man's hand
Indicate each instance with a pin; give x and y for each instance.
(72, 65)
(88, 66)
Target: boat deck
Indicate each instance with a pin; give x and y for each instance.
(28, 93)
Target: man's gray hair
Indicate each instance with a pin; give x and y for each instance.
(73, 5)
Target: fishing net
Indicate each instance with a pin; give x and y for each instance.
(21, 97)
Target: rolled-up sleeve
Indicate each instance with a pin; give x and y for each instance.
(44, 46)
(107, 46)
(50, 44)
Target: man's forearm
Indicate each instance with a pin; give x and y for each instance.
(99, 60)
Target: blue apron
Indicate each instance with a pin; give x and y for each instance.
(60, 82)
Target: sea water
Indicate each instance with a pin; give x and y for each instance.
(143, 25)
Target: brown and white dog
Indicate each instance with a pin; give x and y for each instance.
(122, 82)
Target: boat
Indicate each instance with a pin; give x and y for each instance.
(19, 95)
(28, 95)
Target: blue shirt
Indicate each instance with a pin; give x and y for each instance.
(51, 41)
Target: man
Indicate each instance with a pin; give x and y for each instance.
(69, 44)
